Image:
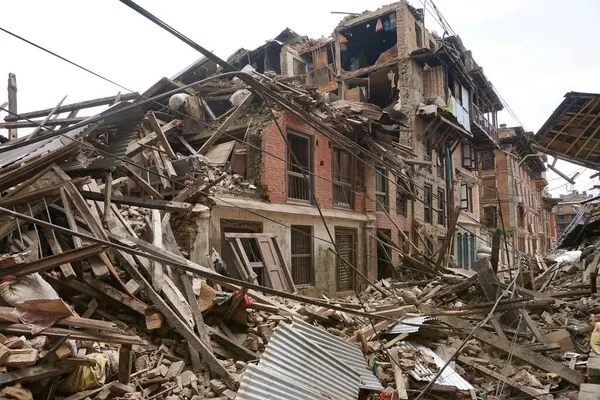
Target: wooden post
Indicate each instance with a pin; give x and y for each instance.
(125, 357)
(495, 251)
(12, 102)
(107, 195)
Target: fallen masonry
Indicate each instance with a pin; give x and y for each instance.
(159, 249)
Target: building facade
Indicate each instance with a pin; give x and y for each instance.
(514, 200)
(567, 208)
(419, 112)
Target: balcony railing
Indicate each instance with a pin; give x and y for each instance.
(482, 122)
(342, 194)
(298, 188)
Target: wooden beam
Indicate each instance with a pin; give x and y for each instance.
(144, 186)
(452, 220)
(182, 328)
(210, 113)
(157, 267)
(533, 327)
(469, 363)
(125, 358)
(66, 269)
(517, 350)
(12, 103)
(107, 199)
(74, 106)
(47, 263)
(44, 121)
(115, 338)
(187, 145)
(36, 123)
(33, 374)
(160, 134)
(223, 127)
(123, 298)
(144, 202)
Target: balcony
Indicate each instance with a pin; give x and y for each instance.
(483, 130)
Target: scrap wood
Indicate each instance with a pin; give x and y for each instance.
(468, 362)
(517, 350)
(7, 315)
(34, 373)
(47, 263)
(165, 205)
(80, 335)
(182, 328)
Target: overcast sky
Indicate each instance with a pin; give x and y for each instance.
(533, 51)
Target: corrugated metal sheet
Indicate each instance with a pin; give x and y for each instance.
(346, 352)
(305, 362)
(422, 372)
(260, 383)
(403, 327)
(291, 354)
(35, 149)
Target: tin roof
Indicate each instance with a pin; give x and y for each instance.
(301, 362)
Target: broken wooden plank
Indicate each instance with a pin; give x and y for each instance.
(223, 127)
(44, 121)
(73, 107)
(125, 358)
(162, 138)
(66, 269)
(35, 373)
(517, 350)
(123, 298)
(52, 261)
(157, 267)
(182, 328)
(399, 377)
(533, 327)
(510, 382)
(144, 186)
(73, 334)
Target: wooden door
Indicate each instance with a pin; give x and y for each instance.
(344, 241)
(273, 266)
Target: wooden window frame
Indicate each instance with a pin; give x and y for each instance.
(345, 186)
(466, 198)
(298, 175)
(469, 156)
(428, 204)
(441, 203)
(382, 171)
(298, 230)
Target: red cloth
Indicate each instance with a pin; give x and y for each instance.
(246, 302)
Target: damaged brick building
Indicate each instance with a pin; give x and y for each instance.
(421, 113)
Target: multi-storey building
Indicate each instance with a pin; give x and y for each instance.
(424, 113)
(567, 208)
(514, 196)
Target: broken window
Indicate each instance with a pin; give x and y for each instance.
(490, 217)
(469, 159)
(298, 187)
(258, 259)
(418, 35)
(441, 203)
(427, 149)
(381, 189)
(489, 188)
(401, 201)
(521, 215)
(345, 243)
(384, 254)
(428, 200)
(440, 162)
(302, 258)
(343, 172)
(488, 160)
(466, 198)
(362, 44)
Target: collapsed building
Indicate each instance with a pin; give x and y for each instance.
(201, 228)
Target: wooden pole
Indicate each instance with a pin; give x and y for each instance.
(12, 102)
